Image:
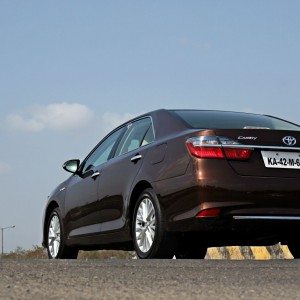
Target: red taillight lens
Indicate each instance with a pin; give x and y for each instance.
(237, 154)
(210, 212)
(205, 152)
(217, 147)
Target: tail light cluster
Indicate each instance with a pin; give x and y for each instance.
(217, 147)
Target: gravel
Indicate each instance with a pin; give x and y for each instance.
(150, 279)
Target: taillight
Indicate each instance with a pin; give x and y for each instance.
(217, 147)
(209, 213)
(205, 152)
(237, 154)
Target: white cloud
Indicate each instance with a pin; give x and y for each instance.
(4, 168)
(18, 122)
(56, 116)
(63, 117)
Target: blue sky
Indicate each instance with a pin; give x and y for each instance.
(72, 70)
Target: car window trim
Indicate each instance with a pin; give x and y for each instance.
(145, 136)
(132, 124)
(116, 145)
(129, 127)
(135, 120)
(99, 144)
(113, 151)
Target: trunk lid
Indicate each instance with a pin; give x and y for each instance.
(269, 143)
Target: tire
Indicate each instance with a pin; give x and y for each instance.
(56, 247)
(294, 248)
(149, 235)
(190, 248)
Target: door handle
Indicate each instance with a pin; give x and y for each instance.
(136, 158)
(95, 174)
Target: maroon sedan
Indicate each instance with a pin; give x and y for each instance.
(174, 182)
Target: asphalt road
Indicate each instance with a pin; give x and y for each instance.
(153, 279)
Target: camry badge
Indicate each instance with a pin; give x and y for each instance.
(289, 140)
(247, 137)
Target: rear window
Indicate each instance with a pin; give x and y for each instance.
(232, 120)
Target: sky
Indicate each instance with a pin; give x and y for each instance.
(70, 71)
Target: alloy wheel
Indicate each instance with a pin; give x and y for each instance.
(54, 236)
(145, 225)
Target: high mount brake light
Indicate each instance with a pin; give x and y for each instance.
(217, 147)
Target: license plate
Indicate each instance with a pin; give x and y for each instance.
(281, 160)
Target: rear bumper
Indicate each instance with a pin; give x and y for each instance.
(183, 197)
(240, 230)
(215, 185)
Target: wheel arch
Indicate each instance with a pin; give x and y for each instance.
(51, 206)
(136, 192)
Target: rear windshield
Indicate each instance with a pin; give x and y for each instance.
(232, 120)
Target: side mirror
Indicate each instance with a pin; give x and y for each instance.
(71, 165)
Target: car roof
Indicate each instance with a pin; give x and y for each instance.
(171, 121)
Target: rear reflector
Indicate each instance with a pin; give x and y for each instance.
(217, 147)
(209, 213)
(237, 154)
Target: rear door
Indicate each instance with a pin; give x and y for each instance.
(119, 173)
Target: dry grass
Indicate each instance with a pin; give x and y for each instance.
(38, 252)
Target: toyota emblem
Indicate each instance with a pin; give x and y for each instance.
(289, 140)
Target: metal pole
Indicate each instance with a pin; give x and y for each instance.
(2, 238)
(2, 241)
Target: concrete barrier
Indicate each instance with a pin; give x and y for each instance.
(249, 252)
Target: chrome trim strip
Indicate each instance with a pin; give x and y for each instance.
(262, 147)
(254, 147)
(287, 218)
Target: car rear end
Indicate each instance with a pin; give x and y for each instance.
(247, 174)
